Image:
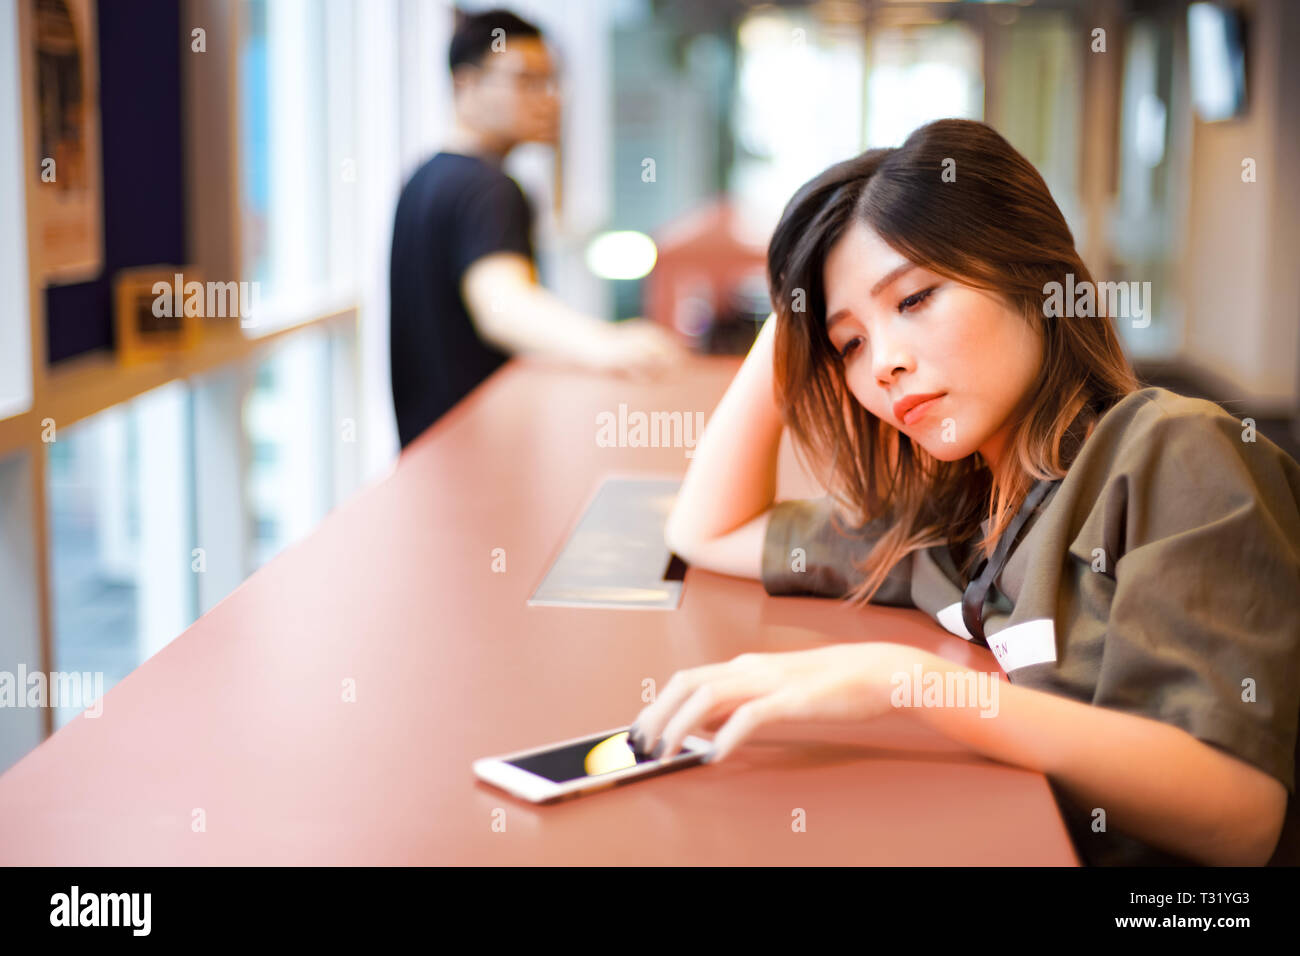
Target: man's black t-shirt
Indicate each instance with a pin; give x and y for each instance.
(454, 210)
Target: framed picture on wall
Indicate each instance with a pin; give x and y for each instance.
(157, 312)
(67, 201)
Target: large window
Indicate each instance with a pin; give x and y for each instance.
(288, 415)
(1147, 223)
(158, 508)
(799, 105)
(298, 165)
(1037, 87)
(123, 563)
(812, 92)
(919, 74)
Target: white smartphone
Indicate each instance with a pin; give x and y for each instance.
(582, 765)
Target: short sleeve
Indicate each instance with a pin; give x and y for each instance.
(494, 217)
(808, 551)
(1204, 629)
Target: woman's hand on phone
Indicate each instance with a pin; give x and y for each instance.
(841, 682)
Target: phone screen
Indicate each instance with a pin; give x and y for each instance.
(586, 758)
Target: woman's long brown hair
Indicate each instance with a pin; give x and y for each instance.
(994, 226)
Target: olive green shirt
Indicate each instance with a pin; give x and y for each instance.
(1160, 577)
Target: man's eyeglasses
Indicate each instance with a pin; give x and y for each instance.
(544, 83)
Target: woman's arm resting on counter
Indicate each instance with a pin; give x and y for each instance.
(1155, 781)
(739, 552)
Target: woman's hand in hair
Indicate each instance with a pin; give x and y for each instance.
(841, 682)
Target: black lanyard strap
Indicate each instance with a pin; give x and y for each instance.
(977, 592)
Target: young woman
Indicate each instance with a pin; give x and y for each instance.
(1130, 555)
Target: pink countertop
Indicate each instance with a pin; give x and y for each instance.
(243, 716)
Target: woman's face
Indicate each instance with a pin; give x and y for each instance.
(904, 331)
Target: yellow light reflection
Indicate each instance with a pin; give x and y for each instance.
(612, 753)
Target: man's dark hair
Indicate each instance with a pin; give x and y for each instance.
(472, 38)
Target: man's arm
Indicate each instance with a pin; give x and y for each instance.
(517, 315)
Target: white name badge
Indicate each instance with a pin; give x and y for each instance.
(1032, 642)
(952, 621)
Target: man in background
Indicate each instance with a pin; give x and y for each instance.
(464, 290)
